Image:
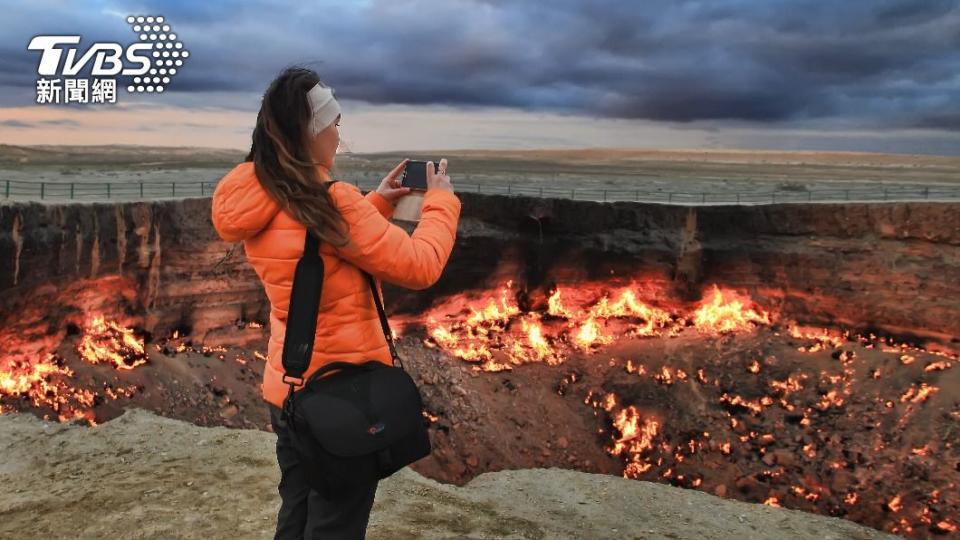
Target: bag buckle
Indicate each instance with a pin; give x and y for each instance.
(298, 382)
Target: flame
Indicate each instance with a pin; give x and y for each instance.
(946, 526)
(590, 334)
(555, 307)
(106, 341)
(44, 383)
(636, 435)
(725, 311)
(918, 394)
(491, 330)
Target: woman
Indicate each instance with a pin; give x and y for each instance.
(268, 202)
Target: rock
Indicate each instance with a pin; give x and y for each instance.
(784, 457)
(229, 411)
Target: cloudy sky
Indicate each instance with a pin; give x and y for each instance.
(873, 75)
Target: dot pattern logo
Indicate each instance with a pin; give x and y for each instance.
(168, 54)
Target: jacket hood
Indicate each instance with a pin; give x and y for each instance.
(241, 208)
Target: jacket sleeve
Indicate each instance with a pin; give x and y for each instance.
(383, 205)
(387, 252)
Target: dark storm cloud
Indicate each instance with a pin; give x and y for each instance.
(64, 122)
(883, 63)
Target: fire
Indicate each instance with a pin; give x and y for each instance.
(555, 307)
(106, 341)
(492, 331)
(946, 527)
(725, 311)
(823, 338)
(590, 334)
(636, 435)
(45, 383)
(941, 365)
(917, 394)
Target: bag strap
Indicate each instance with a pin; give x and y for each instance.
(384, 323)
(302, 318)
(302, 312)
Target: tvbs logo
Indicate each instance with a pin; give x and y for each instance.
(151, 62)
(106, 56)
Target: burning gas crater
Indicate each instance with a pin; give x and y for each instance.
(49, 383)
(720, 395)
(755, 408)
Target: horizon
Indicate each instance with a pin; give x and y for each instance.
(515, 150)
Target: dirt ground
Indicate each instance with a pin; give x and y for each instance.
(689, 173)
(146, 476)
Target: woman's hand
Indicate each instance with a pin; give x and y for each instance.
(390, 185)
(439, 179)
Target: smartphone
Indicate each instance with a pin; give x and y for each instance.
(415, 174)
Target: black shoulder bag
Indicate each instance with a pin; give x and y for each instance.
(360, 423)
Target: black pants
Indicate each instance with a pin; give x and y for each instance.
(304, 514)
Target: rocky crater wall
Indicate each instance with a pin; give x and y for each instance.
(891, 267)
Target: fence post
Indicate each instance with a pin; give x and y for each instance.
(108, 190)
(926, 190)
(703, 197)
(478, 188)
(847, 193)
(201, 190)
(141, 190)
(43, 186)
(670, 197)
(508, 189)
(71, 190)
(6, 194)
(173, 189)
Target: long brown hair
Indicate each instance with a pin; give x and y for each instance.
(281, 156)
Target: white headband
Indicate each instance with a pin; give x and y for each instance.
(324, 106)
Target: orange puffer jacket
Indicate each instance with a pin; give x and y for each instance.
(348, 326)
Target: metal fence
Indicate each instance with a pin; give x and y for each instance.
(126, 191)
